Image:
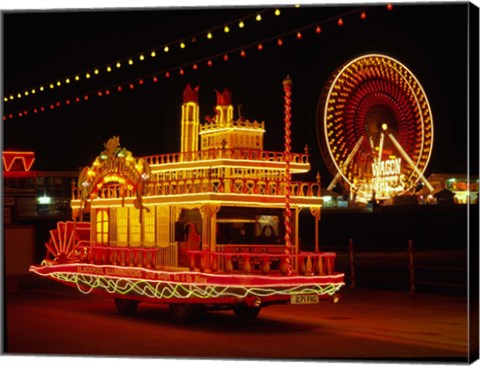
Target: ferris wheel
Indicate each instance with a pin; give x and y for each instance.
(375, 128)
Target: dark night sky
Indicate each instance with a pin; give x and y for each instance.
(39, 47)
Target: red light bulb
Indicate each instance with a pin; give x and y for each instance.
(209, 63)
(279, 42)
(340, 22)
(318, 30)
(243, 54)
(363, 16)
(260, 47)
(299, 35)
(389, 7)
(225, 57)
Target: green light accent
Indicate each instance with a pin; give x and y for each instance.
(168, 290)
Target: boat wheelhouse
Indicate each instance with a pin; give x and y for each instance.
(215, 225)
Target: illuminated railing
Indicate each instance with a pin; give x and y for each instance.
(307, 263)
(233, 185)
(152, 257)
(231, 259)
(121, 256)
(234, 154)
(275, 187)
(240, 124)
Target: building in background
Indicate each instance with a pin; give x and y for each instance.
(29, 194)
(463, 187)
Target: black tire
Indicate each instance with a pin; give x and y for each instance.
(126, 306)
(182, 312)
(245, 312)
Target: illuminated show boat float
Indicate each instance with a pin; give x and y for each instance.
(215, 227)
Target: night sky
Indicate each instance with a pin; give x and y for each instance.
(40, 47)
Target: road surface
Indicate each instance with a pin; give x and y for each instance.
(364, 325)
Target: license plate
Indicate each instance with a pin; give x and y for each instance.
(304, 299)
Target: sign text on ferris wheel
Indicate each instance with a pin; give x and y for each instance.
(387, 176)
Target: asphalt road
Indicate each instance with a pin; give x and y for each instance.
(364, 325)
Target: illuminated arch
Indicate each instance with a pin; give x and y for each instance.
(114, 165)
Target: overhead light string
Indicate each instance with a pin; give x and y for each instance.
(181, 69)
(133, 59)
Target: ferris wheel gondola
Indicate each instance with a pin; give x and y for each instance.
(375, 128)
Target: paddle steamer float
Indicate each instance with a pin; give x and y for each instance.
(215, 226)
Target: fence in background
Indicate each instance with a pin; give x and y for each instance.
(403, 268)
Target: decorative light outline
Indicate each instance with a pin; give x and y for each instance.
(26, 157)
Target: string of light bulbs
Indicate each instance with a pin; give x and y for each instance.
(196, 65)
(131, 60)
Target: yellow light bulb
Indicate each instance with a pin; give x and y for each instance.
(209, 35)
(5, 99)
(182, 45)
(42, 88)
(87, 75)
(77, 77)
(52, 86)
(166, 49)
(153, 54)
(59, 83)
(11, 97)
(142, 57)
(258, 18)
(33, 91)
(297, 6)
(226, 29)
(109, 69)
(119, 64)
(96, 71)
(130, 62)
(67, 81)
(19, 95)
(241, 24)
(26, 93)
(277, 12)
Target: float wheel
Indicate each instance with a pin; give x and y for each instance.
(245, 312)
(126, 306)
(182, 312)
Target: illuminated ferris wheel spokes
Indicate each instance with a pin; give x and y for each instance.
(345, 164)
(375, 105)
(410, 162)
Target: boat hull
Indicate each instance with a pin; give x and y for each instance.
(187, 286)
